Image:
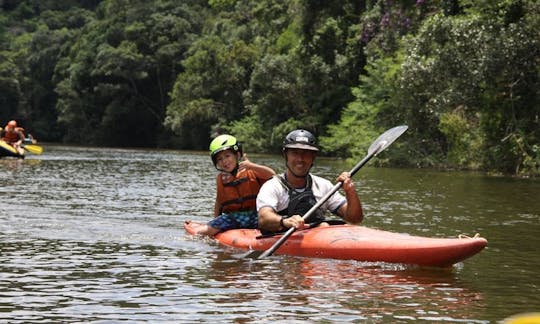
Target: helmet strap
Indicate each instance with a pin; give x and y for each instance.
(233, 172)
(238, 157)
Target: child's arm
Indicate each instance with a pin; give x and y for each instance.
(262, 171)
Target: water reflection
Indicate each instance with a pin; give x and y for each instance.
(323, 290)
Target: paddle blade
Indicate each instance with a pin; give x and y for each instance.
(36, 149)
(387, 138)
(253, 254)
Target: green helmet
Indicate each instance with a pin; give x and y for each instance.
(222, 143)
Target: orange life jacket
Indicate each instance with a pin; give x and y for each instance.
(238, 193)
(12, 135)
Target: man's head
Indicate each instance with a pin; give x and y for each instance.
(299, 150)
(11, 125)
(301, 139)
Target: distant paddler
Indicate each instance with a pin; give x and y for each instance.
(13, 135)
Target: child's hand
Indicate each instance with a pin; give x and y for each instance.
(245, 163)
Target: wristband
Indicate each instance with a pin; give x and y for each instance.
(281, 222)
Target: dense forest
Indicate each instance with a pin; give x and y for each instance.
(463, 74)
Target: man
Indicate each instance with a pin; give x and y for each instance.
(13, 136)
(284, 199)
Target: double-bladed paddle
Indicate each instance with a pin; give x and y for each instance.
(36, 149)
(381, 143)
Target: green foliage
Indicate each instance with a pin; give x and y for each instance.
(249, 133)
(194, 112)
(288, 40)
(10, 93)
(463, 137)
(122, 68)
(280, 131)
(486, 69)
(215, 74)
(222, 4)
(462, 74)
(274, 93)
(363, 119)
(122, 62)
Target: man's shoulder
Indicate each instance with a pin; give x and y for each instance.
(273, 183)
(320, 180)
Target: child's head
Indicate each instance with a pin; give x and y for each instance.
(224, 149)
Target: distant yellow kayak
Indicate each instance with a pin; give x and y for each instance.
(36, 149)
(525, 318)
(8, 150)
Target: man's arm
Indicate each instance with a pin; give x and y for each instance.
(269, 220)
(352, 211)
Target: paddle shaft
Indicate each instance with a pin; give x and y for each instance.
(336, 187)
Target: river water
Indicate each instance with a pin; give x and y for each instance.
(95, 235)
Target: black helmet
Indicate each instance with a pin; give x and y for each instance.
(301, 139)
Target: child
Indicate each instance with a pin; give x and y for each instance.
(238, 184)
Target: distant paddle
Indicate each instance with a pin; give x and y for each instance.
(381, 143)
(35, 149)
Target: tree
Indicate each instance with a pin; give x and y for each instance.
(478, 75)
(10, 89)
(122, 68)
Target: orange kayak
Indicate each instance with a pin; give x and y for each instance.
(356, 243)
